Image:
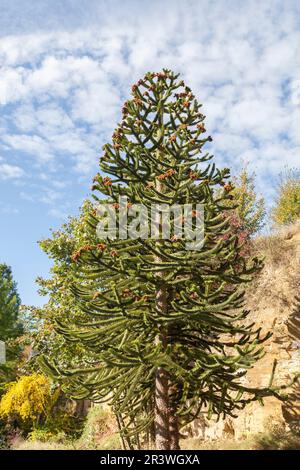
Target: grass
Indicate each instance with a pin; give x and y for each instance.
(218, 444)
(100, 432)
(276, 438)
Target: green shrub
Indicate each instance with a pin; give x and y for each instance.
(110, 443)
(277, 437)
(100, 430)
(287, 206)
(249, 214)
(46, 435)
(3, 437)
(66, 422)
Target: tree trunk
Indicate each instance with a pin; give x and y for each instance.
(174, 431)
(161, 418)
(173, 397)
(162, 436)
(152, 436)
(161, 406)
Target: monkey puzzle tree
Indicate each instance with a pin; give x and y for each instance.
(167, 323)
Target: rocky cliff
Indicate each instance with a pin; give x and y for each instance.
(274, 302)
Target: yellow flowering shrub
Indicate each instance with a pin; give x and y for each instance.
(27, 399)
(287, 207)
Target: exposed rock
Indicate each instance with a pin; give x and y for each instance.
(274, 301)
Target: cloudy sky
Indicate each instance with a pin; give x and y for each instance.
(66, 67)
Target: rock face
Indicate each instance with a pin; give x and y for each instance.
(274, 302)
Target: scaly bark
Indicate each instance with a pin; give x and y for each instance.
(174, 430)
(162, 410)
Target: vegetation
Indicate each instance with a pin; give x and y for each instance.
(275, 437)
(9, 304)
(10, 326)
(99, 433)
(157, 331)
(248, 210)
(153, 314)
(27, 400)
(287, 206)
(41, 321)
(100, 430)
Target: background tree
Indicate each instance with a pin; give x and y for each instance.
(247, 210)
(9, 304)
(39, 335)
(40, 322)
(287, 206)
(249, 213)
(166, 324)
(10, 325)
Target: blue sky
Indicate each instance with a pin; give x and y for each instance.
(67, 66)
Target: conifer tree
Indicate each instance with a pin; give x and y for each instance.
(287, 204)
(167, 324)
(10, 325)
(9, 304)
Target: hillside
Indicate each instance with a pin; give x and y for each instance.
(274, 301)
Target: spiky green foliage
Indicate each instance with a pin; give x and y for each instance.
(39, 322)
(9, 304)
(201, 337)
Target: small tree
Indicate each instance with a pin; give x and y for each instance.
(167, 324)
(247, 211)
(40, 322)
(287, 205)
(10, 325)
(250, 208)
(9, 304)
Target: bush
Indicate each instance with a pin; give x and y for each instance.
(249, 213)
(27, 400)
(100, 430)
(287, 206)
(3, 437)
(274, 249)
(46, 435)
(64, 421)
(277, 437)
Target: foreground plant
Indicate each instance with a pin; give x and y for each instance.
(10, 326)
(287, 206)
(27, 400)
(167, 324)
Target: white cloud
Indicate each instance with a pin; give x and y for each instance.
(31, 144)
(26, 196)
(11, 85)
(8, 209)
(62, 88)
(10, 172)
(98, 103)
(58, 213)
(260, 119)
